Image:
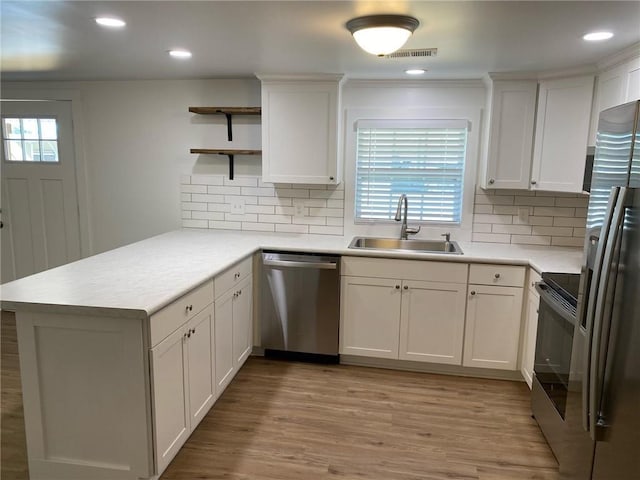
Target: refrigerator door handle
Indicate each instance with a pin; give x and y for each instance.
(591, 306)
(598, 321)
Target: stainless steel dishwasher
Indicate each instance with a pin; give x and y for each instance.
(300, 305)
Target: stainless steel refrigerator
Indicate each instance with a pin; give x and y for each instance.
(601, 439)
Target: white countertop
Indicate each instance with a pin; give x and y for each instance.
(139, 279)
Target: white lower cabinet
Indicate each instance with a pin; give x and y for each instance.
(416, 318)
(371, 316)
(530, 328)
(182, 382)
(494, 314)
(233, 322)
(432, 321)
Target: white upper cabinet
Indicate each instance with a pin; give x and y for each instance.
(512, 112)
(562, 130)
(616, 85)
(300, 124)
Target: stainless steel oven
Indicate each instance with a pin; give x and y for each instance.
(556, 323)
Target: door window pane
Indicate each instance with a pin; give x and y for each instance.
(30, 139)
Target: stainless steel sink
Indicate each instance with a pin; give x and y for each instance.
(395, 244)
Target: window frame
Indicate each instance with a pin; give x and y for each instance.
(352, 113)
(40, 140)
(423, 123)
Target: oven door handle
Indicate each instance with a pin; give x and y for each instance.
(549, 300)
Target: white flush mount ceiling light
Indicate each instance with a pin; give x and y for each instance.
(382, 34)
(180, 53)
(415, 71)
(597, 36)
(110, 22)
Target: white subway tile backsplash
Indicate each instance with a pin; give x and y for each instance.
(512, 229)
(207, 179)
(277, 201)
(240, 182)
(310, 220)
(482, 218)
(185, 197)
(194, 223)
(194, 206)
(274, 218)
(217, 190)
(247, 217)
(186, 214)
(326, 230)
(553, 231)
(206, 198)
(247, 199)
(548, 218)
(317, 202)
(284, 228)
(330, 203)
(328, 194)
(535, 201)
(207, 215)
(490, 237)
(569, 222)
(531, 239)
(193, 188)
(223, 225)
(292, 192)
(220, 207)
(326, 212)
(258, 191)
(335, 221)
(185, 179)
(269, 209)
(258, 227)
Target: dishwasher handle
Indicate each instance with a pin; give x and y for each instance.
(298, 264)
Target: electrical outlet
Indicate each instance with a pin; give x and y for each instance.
(298, 209)
(237, 206)
(523, 214)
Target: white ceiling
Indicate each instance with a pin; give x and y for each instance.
(56, 40)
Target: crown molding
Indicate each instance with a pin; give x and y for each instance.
(629, 53)
(390, 83)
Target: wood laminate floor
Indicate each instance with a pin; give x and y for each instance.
(289, 421)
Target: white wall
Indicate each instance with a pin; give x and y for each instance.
(135, 143)
(413, 99)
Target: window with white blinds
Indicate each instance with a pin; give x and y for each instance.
(422, 159)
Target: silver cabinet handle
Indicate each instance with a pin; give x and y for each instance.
(497, 275)
(406, 287)
(491, 181)
(473, 292)
(189, 308)
(533, 182)
(397, 287)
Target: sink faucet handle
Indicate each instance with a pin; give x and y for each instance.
(447, 236)
(412, 230)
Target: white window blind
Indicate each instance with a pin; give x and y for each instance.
(424, 160)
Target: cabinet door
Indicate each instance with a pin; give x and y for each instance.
(513, 109)
(242, 322)
(562, 129)
(493, 327)
(200, 365)
(170, 397)
(370, 317)
(432, 322)
(529, 340)
(299, 131)
(223, 321)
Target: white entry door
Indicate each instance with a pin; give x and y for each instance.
(39, 195)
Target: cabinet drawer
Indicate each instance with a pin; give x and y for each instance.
(427, 271)
(502, 275)
(175, 314)
(231, 276)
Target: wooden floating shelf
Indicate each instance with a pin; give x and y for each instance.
(229, 153)
(226, 110)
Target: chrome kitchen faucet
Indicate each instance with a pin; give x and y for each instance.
(404, 230)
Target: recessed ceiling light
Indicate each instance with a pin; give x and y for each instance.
(415, 71)
(180, 53)
(111, 22)
(597, 36)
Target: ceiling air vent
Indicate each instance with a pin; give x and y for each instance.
(413, 53)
